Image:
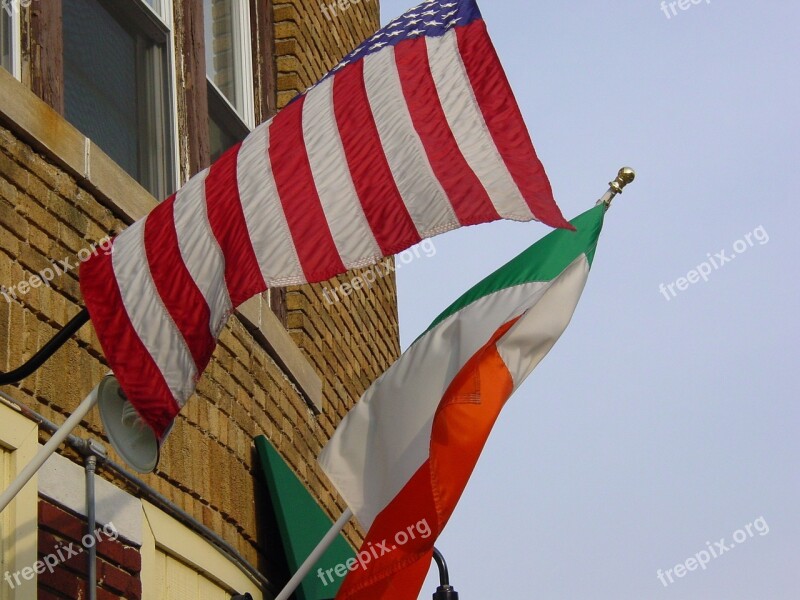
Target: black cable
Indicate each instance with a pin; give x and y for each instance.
(50, 348)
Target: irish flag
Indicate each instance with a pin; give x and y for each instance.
(403, 455)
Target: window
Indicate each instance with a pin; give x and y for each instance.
(9, 35)
(230, 72)
(178, 580)
(118, 87)
(178, 563)
(19, 441)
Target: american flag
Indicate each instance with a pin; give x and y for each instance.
(414, 133)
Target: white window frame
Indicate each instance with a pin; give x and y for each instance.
(164, 13)
(20, 437)
(15, 8)
(163, 19)
(243, 65)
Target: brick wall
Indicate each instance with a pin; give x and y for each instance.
(60, 540)
(49, 212)
(352, 341)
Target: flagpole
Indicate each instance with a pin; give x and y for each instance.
(315, 555)
(625, 176)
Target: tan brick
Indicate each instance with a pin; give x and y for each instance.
(46, 214)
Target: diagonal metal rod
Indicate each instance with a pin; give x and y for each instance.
(50, 348)
(29, 470)
(315, 555)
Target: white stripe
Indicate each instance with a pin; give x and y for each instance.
(422, 193)
(149, 318)
(263, 212)
(200, 250)
(351, 231)
(530, 339)
(469, 128)
(385, 438)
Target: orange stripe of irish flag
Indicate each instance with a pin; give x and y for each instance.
(395, 557)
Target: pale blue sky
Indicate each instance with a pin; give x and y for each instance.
(653, 426)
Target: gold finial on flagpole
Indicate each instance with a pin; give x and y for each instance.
(625, 176)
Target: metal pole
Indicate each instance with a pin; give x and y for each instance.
(51, 446)
(146, 492)
(314, 557)
(90, 466)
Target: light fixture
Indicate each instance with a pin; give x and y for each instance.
(130, 436)
(445, 591)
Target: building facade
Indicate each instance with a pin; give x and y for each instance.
(106, 108)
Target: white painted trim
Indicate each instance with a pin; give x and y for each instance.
(148, 575)
(167, 8)
(161, 12)
(245, 64)
(16, 42)
(164, 13)
(20, 436)
(183, 544)
(64, 482)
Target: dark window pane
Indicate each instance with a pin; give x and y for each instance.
(220, 139)
(225, 128)
(116, 87)
(6, 51)
(100, 95)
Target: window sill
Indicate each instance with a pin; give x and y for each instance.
(49, 132)
(267, 330)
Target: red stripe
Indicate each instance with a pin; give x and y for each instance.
(388, 217)
(461, 427)
(138, 375)
(505, 122)
(469, 198)
(226, 216)
(178, 291)
(312, 236)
